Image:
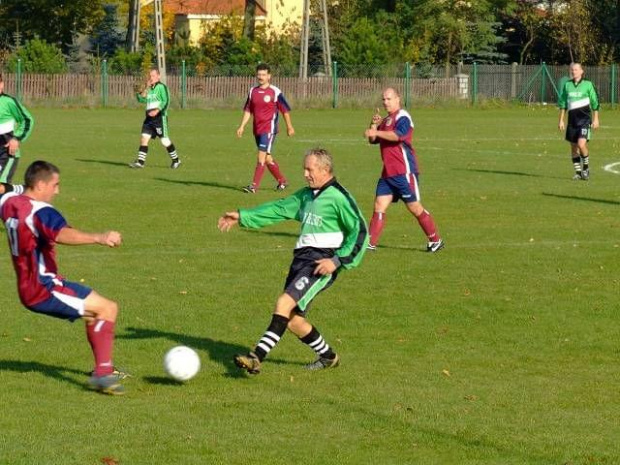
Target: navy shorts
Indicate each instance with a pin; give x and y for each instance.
(574, 133)
(403, 186)
(155, 126)
(303, 285)
(65, 302)
(264, 142)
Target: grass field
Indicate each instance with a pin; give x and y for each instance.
(501, 349)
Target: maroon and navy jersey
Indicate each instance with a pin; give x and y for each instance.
(265, 105)
(32, 228)
(398, 157)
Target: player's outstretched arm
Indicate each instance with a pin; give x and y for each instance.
(227, 221)
(72, 236)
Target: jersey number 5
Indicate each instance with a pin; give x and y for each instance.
(11, 229)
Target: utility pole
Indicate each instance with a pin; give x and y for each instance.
(133, 34)
(305, 38)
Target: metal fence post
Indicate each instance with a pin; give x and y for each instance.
(513, 80)
(104, 83)
(474, 86)
(334, 84)
(612, 93)
(183, 86)
(407, 83)
(543, 68)
(18, 80)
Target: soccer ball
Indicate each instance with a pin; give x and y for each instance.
(181, 363)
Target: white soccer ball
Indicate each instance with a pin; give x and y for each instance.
(181, 363)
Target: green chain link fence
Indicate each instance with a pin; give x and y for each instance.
(341, 86)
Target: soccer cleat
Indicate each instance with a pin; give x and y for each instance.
(175, 164)
(281, 186)
(136, 164)
(435, 246)
(249, 189)
(118, 372)
(321, 363)
(248, 362)
(585, 174)
(577, 176)
(371, 247)
(107, 384)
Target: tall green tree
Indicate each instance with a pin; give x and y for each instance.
(54, 21)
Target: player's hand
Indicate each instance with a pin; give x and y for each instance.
(227, 221)
(153, 113)
(240, 131)
(595, 124)
(12, 146)
(370, 133)
(110, 239)
(290, 131)
(561, 125)
(376, 118)
(324, 266)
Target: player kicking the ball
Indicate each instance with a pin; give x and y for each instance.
(33, 227)
(333, 237)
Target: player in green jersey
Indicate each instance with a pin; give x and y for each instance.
(157, 99)
(578, 97)
(333, 237)
(15, 126)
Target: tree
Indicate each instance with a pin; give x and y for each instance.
(108, 35)
(38, 56)
(54, 21)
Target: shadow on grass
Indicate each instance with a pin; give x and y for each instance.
(201, 183)
(104, 162)
(508, 173)
(51, 371)
(218, 351)
(585, 199)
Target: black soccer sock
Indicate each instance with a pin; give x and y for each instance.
(577, 164)
(172, 151)
(585, 161)
(272, 336)
(142, 153)
(7, 187)
(318, 344)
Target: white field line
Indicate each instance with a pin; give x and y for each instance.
(613, 167)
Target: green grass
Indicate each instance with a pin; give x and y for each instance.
(501, 349)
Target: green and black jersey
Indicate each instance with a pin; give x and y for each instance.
(580, 99)
(15, 120)
(157, 98)
(330, 221)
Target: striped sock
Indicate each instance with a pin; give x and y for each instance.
(577, 164)
(316, 342)
(272, 336)
(585, 161)
(172, 151)
(142, 153)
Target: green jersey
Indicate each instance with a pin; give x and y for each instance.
(15, 120)
(330, 220)
(157, 98)
(580, 99)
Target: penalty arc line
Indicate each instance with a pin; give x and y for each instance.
(612, 167)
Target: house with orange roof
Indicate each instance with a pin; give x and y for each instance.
(192, 17)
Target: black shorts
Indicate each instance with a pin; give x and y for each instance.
(574, 133)
(8, 164)
(155, 126)
(301, 283)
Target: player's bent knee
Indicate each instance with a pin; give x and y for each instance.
(165, 141)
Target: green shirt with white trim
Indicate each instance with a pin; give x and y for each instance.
(330, 220)
(15, 120)
(580, 99)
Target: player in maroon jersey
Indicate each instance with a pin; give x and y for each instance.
(33, 228)
(400, 175)
(265, 102)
